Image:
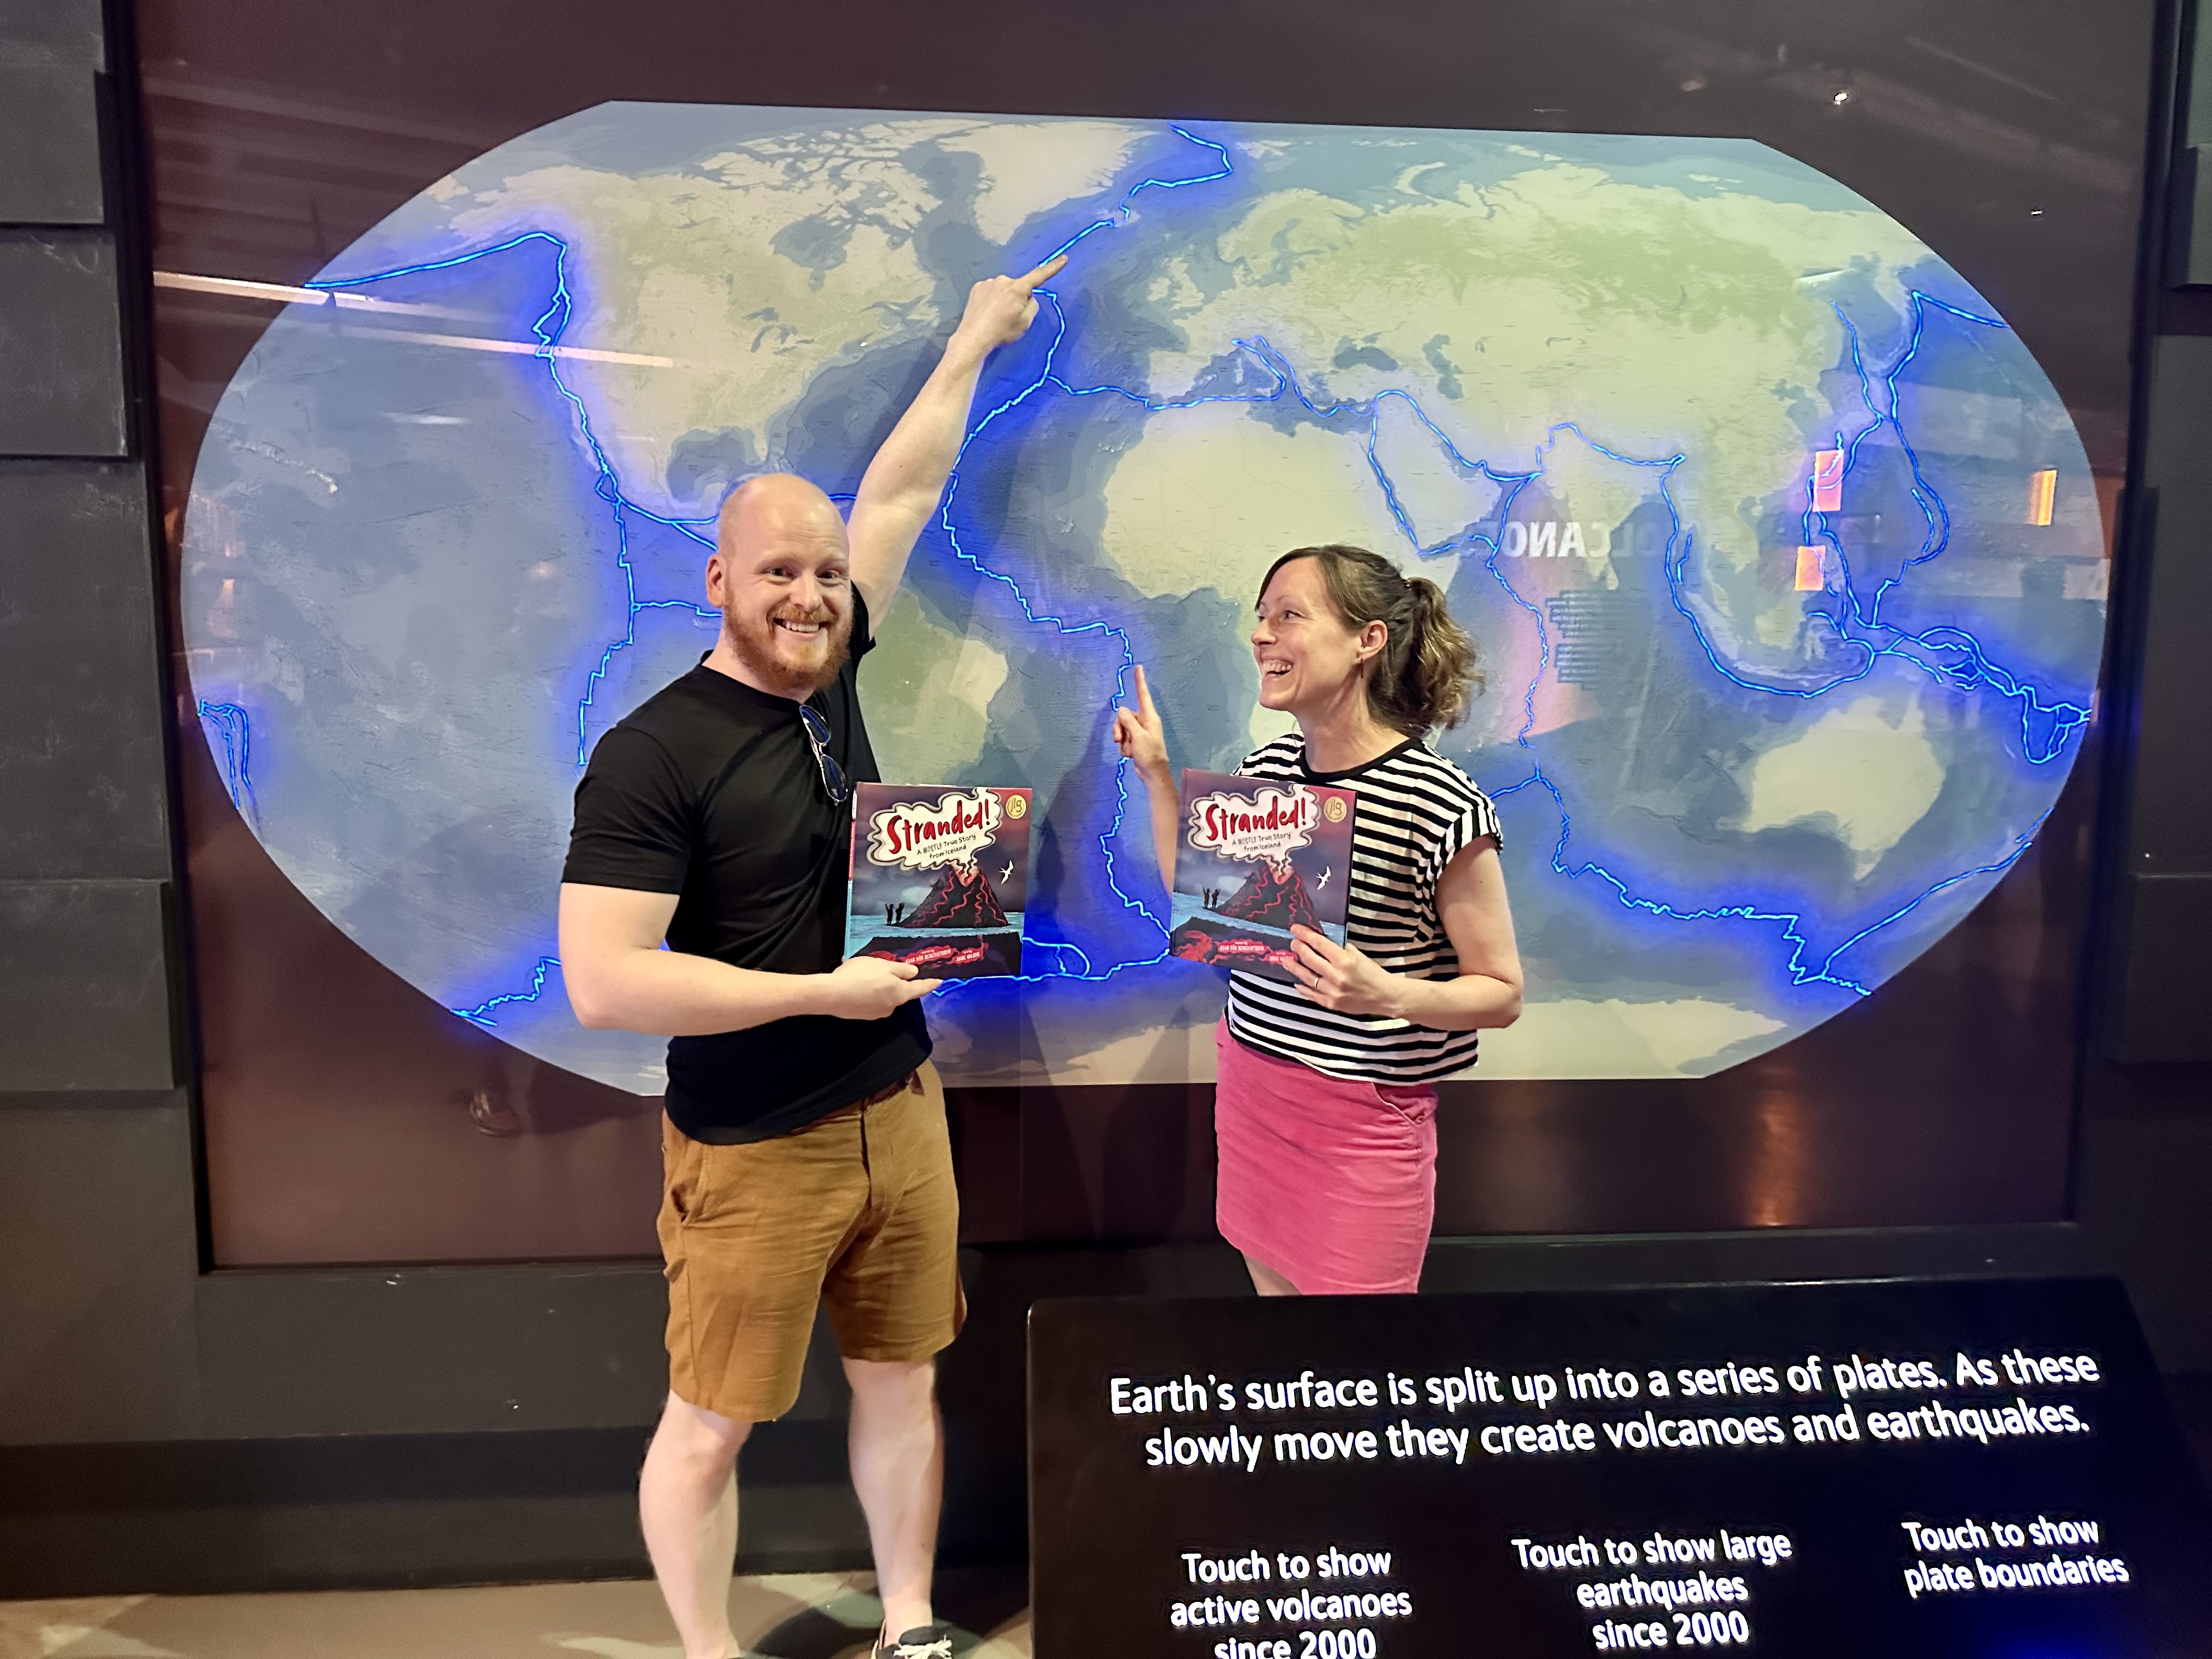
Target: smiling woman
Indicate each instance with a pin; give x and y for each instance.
(1324, 1103)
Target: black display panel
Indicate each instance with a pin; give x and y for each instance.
(351, 1115)
(1962, 1470)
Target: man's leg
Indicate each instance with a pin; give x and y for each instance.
(686, 1502)
(895, 1301)
(897, 1454)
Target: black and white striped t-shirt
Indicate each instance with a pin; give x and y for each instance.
(1415, 811)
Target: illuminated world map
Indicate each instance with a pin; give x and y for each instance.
(1781, 552)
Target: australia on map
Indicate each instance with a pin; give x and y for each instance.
(1781, 553)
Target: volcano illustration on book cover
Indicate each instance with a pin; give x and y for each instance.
(940, 878)
(1256, 858)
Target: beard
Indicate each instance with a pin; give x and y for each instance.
(785, 663)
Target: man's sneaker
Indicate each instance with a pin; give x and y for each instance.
(922, 1642)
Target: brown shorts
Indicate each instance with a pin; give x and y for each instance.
(857, 1210)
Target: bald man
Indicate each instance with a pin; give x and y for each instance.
(805, 1152)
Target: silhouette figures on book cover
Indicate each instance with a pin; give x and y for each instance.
(1273, 896)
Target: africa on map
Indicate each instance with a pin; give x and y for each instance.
(1781, 552)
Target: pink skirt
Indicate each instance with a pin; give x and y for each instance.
(1333, 1184)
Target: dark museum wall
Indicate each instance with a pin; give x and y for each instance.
(95, 1138)
(163, 1427)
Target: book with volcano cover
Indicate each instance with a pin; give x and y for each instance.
(939, 878)
(1256, 857)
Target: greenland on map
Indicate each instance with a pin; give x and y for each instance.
(1781, 552)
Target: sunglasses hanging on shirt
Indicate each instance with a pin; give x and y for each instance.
(833, 775)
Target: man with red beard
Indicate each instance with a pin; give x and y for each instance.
(805, 1148)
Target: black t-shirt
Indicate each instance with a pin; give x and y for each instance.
(710, 790)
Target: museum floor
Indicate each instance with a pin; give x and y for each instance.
(784, 1616)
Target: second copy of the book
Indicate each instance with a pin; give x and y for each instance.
(940, 878)
(1257, 856)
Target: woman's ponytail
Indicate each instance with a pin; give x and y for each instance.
(1437, 676)
(1425, 673)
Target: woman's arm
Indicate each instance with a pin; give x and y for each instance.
(1141, 736)
(1486, 994)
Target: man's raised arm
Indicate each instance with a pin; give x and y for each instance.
(901, 487)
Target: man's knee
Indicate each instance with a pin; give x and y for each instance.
(890, 1381)
(700, 1436)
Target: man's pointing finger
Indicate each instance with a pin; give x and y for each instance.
(1045, 272)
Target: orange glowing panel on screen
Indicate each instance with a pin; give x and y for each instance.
(2042, 494)
(1812, 569)
(1828, 481)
